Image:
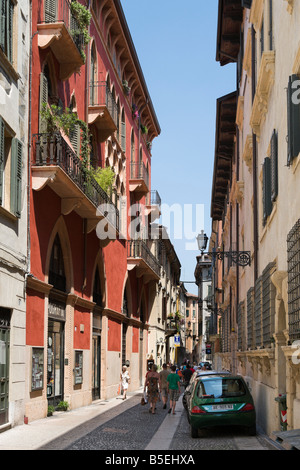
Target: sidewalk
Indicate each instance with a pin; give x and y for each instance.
(37, 434)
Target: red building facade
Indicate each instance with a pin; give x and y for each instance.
(88, 297)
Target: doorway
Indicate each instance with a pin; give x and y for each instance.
(96, 370)
(5, 316)
(55, 362)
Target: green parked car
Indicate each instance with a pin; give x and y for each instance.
(218, 399)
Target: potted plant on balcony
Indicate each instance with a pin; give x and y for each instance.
(144, 129)
(135, 111)
(81, 21)
(104, 177)
(126, 88)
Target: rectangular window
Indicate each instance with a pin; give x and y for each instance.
(267, 201)
(250, 318)
(78, 369)
(293, 118)
(37, 369)
(293, 258)
(268, 305)
(10, 170)
(258, 313)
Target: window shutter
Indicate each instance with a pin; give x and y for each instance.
(123, 136)
(43, 99)
(1, 157)
(274, 166)
(293, 118)
(2, 24)
(267, 202)
(16, 177)
(9, 29)
(50, 11)
(75, 139)
(271, 24)
(262, 37)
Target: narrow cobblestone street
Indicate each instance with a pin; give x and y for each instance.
(130, 427)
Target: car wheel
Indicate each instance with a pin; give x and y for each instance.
(194, 432)
(252, 430)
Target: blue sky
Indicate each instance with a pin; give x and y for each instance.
(176, 45)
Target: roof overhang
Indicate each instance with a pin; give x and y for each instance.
(230, 17)
(224, 152)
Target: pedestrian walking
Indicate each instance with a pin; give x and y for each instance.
(173, 381)
(153, 387)
(125, 381)
(163, 375)
(187, 374)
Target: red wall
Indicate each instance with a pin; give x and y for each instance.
(35, 318)
(135, 340)
(81, 317)
(114, 335)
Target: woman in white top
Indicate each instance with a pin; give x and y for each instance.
(125, 379)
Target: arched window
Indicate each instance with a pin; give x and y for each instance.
(132, 156)
(97, 291)
(93, 73)
(123, 131)
(142, 311)
(125, 304)
(118, 120)
(57, 276)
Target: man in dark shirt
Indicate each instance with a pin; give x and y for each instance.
(187, 374)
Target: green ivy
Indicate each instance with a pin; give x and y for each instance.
(57, 119)
(83, 17)
(104, 177)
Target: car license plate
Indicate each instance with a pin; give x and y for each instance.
(222, 407)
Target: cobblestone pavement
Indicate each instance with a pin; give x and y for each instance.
(130, 426)
(216, 439)
(130, 429)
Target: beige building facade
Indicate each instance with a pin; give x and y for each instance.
(14, 259)
(259, 199)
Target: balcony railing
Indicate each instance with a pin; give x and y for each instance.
(153, 199)
(103, 110)
(51, 150)
(58, 28)
(137, 249)
(153, 205)
(59, 11)
(139, 179)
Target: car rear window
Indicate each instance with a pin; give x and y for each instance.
(221, 387)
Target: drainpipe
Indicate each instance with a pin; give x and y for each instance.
(84, 254)
(28, 267)
(87, 73)
(254, 166)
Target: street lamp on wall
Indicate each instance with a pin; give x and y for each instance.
(241, 258)
(202, 240)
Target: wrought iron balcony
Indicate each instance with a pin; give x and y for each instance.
(139, 180)
(139, 256)
(56, 164)
(103, 110)
(58, 29)
(153, 205)
(171, 327)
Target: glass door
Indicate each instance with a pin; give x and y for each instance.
(55, 362)
(96, 372)
(4, 363)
